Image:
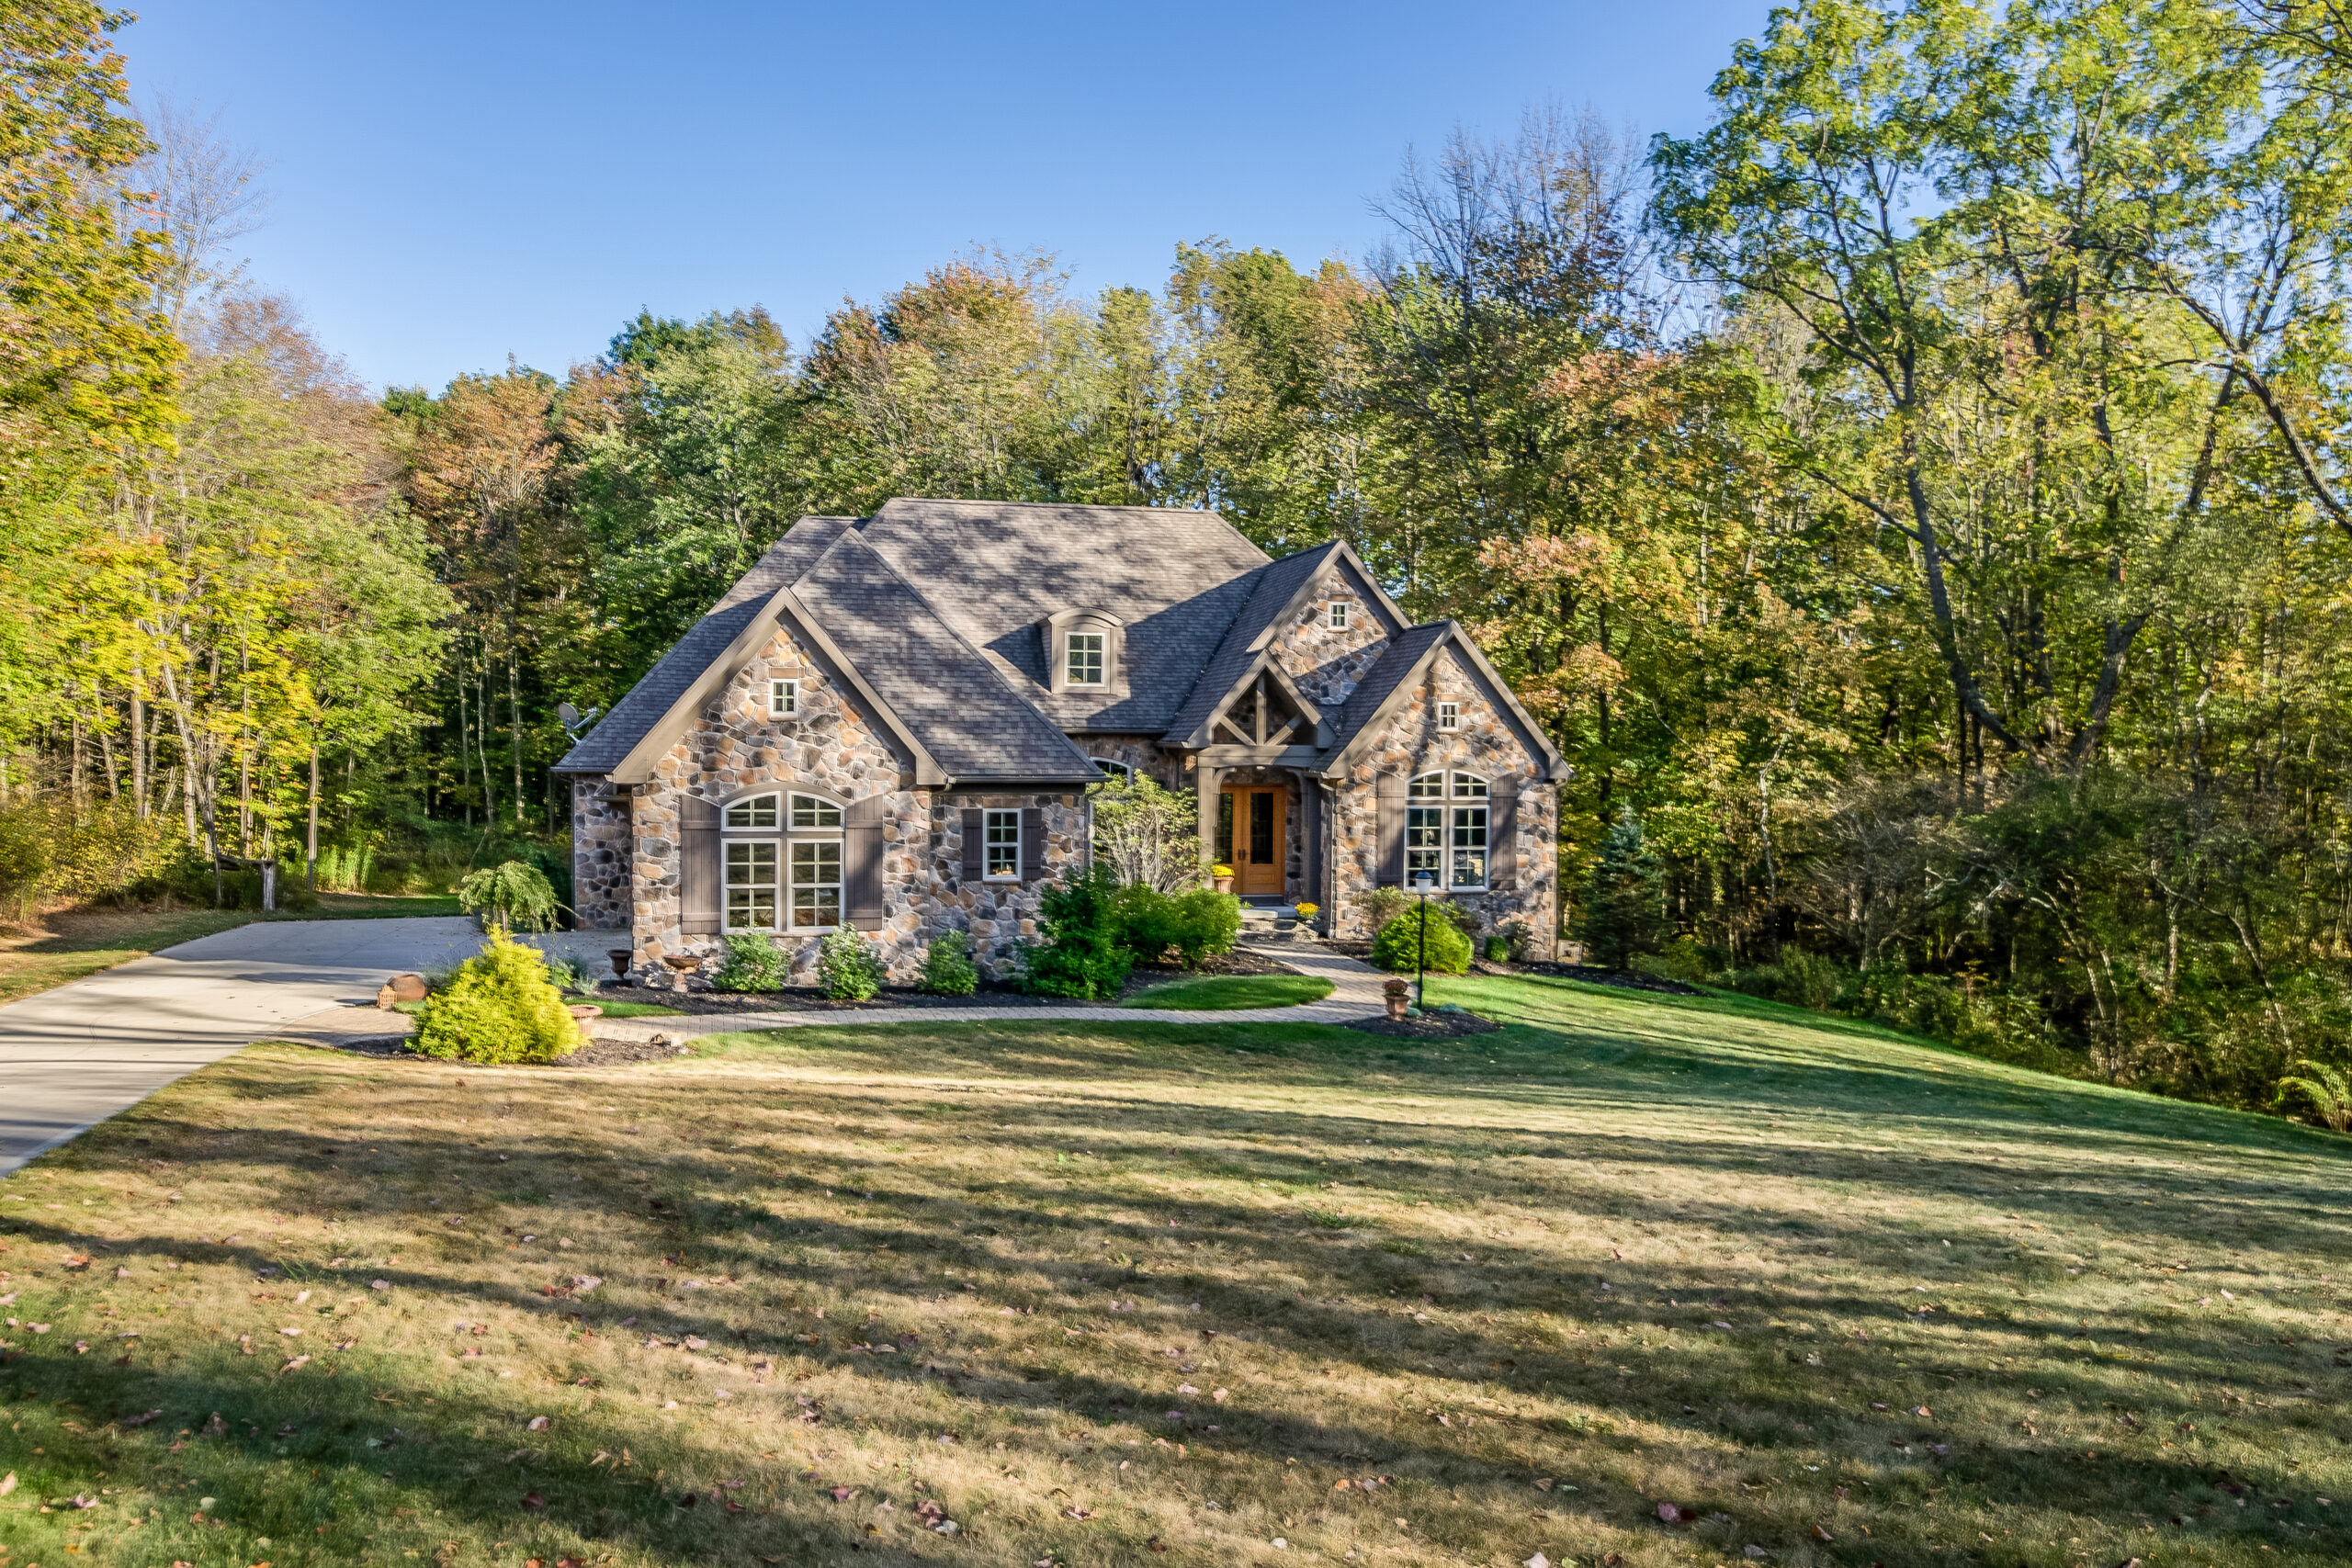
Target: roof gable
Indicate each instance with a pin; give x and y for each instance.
(1386, 686)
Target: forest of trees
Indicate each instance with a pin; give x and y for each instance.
(1919, 504)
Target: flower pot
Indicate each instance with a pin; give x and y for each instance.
(1224, 883)
(621, 957)
(1397, 1006)
(584, 1011)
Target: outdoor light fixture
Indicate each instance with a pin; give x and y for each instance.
(1424, 885)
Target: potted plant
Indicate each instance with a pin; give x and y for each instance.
(1400, 996)
(1307, 912)
(1221, 877)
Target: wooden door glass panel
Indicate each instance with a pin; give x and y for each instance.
(1262, 826)
(1223, 854)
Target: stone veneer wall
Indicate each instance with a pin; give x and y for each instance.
(1326, 663)
(1486, 744)
(831, 745)
(1142, 753)
(600, 854)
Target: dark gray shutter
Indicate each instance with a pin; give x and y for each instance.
(1390, 830)
(1502, 833)
(862, 862)
(972, 863)
(1033, 843)
(702, 891)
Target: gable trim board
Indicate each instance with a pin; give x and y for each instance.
(1451, 634)
(1263, 663)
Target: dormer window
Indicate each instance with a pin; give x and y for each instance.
(1082, 659)
(1085, 653)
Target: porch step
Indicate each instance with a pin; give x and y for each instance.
(1273, 921)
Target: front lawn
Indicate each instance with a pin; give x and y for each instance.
(1634, 1281)
(70, 944)
(1223, 993)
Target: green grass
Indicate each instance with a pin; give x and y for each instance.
(1802, 1279)
(1224, 993)
(73, 943)
(633, 1009)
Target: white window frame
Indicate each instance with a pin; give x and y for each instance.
(794, 829)
(1337, 619)
(1449, 716)
(1072, 649)
(1450, 829)
(784, 699)
(990, 821)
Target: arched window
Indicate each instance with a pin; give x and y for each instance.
(1446, 826)
(1119, 772)
(782, 863)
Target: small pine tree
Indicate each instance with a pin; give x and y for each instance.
(1624, 899)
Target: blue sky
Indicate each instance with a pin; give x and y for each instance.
(458, 183)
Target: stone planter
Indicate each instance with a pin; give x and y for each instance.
(582, 1012)
(1397, 1006)
(1223, 884)
(621, 957)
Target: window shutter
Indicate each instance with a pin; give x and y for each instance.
(972, 863)
(1502, 834)
(862, 862)
(1390, 831)
(701, 893)
(1033, 843)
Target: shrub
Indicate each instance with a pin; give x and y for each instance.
(754, 963)
(1081, 952)
(499, 1006)
(847, 965)
(1397, 948)
(947, 966)
(512, 895)
(1194, 923)
(1497, 949)
(1683, 959)
(1466, 919)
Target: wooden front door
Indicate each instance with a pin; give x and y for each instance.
(1260, 846)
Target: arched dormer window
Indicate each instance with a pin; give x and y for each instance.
(1446, 830)
(782, 858)
(1086, 653)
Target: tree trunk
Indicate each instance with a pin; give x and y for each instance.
(311, 838)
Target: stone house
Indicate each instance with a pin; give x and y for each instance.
(893, 723)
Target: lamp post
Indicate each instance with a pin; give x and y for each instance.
(1424, 885)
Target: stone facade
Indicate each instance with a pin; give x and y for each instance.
(1327, 661)
(601, 857)
(1142, 753)
(1486, 744)
(829, 745)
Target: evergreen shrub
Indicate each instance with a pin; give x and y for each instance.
(1193, 923)
(500, 1006)
(512, 895)
(1398, 947)
(1081, 952)
(1624, 898)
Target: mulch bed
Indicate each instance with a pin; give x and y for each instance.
(1427, 1026)
(1624, 979)
(802, 1000)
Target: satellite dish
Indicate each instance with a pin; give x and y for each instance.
(567, 715)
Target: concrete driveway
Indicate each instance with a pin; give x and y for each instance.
(75, 1055)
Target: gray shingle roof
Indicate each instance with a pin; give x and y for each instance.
(1404, 651)
(1271, 589)
(995, 571)
(972, 722)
